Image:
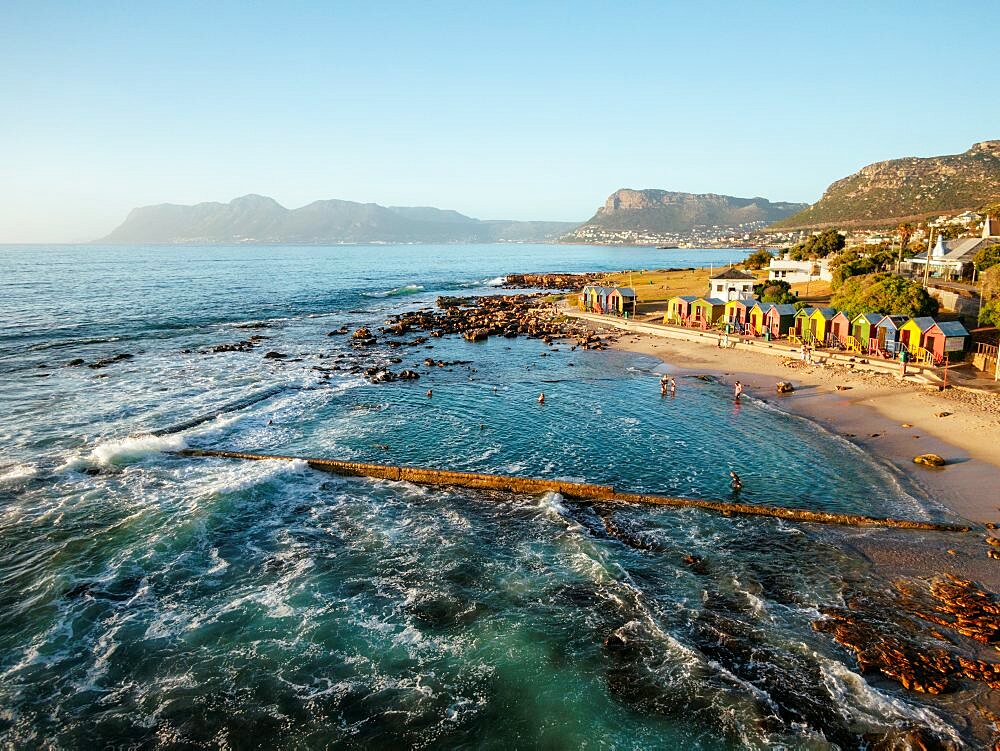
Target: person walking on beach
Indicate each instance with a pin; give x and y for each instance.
(904, 356)
(737, 391)
(737, 483)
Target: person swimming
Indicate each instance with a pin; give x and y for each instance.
(737, 483)
(541, 398)
(430, 393)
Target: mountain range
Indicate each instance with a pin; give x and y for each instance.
(257, 219)
(886, 193)
(663, 212)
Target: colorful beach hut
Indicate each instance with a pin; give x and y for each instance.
(887, 334)
(737, 313)
(862, 328)
(621, 301)
(779, 319)
(819, 323)
(801, 325)
(678, 309)
(944, 337)
(840, 329)
(911, 333)
(706, 310)
(601, 299)
(756, 316)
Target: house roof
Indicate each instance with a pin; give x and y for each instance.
(952, 328)
(923, 322)
(956, 251)
(734, 273)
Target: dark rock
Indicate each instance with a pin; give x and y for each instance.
(275, 356)
(75, 363)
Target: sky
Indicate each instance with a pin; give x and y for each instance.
(535, 110)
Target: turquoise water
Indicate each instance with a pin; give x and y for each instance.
(189, 603)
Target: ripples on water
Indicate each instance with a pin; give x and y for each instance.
(183, 602)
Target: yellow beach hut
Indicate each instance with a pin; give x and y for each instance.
(621, 301)
(819, 323)
(911, 333)
(758, 311)
(678, 309)
(736, 313)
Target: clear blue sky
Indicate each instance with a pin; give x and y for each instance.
(521, 111)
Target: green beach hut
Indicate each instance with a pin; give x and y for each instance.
(706, 310)
(861, 331)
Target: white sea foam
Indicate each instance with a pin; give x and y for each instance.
(123, 450)
(239, 477)
(497, 281)
(17, 474)
(407, 289)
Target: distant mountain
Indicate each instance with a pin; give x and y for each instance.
(260, 220)
(663, 212)
(886, 193)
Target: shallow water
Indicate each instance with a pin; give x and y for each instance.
(187, 602)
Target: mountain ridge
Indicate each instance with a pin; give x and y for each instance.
(257, 219)
(906, 189)
(657, 212)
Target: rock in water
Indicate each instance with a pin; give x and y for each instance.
(929, 460)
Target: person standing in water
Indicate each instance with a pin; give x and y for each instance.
(673, 387)
(737, 483)
(541, 398)
(737, 391)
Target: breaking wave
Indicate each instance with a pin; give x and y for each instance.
(408, 289)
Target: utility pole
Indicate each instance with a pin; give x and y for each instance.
(927, 264)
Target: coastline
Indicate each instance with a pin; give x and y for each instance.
(870, 414)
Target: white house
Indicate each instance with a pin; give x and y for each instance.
(731, 284)
(952, 259)
(795, 272)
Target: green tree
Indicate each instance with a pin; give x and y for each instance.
(990, 281)
(990, 314)
(987, 257)
(774, 290)
(883, 293)
(827, 242)
(759, 259)
(858, 261)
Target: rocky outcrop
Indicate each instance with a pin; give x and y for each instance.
(929, 460)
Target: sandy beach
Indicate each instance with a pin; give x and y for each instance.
(891, 419)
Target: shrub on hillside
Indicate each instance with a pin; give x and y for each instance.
(818, 246)
(759, 259)
(883, 293)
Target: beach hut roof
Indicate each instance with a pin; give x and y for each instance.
(713, 300)
(923, 323)
(626, 291)
(784, 309)
(806, 311)
(872, 318)
(893, 321)
(827, 313)
(952, 328)
(689, 298)
(606, 290)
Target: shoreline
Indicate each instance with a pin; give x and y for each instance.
(870, 414)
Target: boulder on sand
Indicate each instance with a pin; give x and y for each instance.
(929, 460)
(784, 387)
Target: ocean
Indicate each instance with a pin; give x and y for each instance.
(151, 600)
